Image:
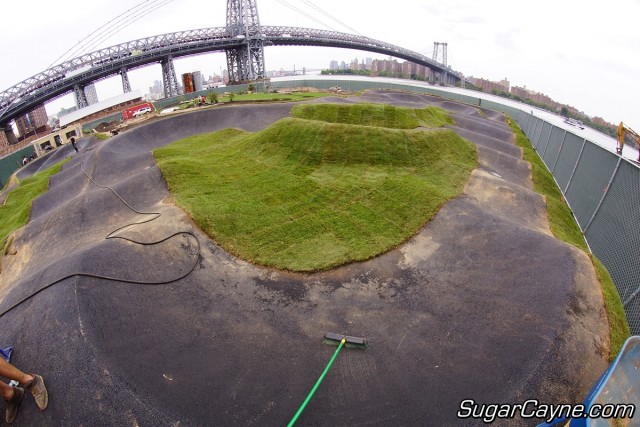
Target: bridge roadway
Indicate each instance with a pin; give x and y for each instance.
(60, 79)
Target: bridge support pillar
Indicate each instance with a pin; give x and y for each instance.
(7, 130)
(246, 62)
(169, 79)
(126, 86)
(81, 97)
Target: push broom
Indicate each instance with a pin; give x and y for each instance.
(331, 339)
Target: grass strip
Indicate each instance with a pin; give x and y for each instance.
(564, 227)
(618, 326)
(374, 115)
(16, 210)
(274, 97)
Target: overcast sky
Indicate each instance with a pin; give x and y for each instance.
(585, 54)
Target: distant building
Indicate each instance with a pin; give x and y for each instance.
(65, 111)
(198, 83)
(505, 83)
(55, 139)
(541, 98)
(489, 86)
(4, 142)
(393, 66)
(546, 100)
(409, 68)
(422, 72)
(156, 89)
(521, 92)
(602, 122)
(108, 107)
(333, 65)
(33, 122)
(187, 81)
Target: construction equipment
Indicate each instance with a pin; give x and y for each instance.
(331, 339)
(624, 130)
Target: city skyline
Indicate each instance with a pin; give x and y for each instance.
(408, 70)
(576, 53)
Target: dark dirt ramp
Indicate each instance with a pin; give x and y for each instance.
(481, 304)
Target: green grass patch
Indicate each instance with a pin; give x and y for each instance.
(374, 115)
(563, 224)
(564, 227)
(14, 214)
(306, 195)
(615, 311)
(262, 97)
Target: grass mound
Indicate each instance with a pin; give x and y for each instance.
(306, 195)
(374, 115)
(15, 212)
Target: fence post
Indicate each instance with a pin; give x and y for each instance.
(548, 139)
(528, 127)
(584, 142)
(559, 151)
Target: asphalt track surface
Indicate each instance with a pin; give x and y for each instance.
(483, 303)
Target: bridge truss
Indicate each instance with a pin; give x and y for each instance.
(244, 43)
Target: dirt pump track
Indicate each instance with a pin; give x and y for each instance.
(483, 303)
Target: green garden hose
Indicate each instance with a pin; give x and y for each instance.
(315, 387)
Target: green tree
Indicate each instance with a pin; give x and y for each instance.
(213, 98)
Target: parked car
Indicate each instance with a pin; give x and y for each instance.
(142, 111)
(574, 122)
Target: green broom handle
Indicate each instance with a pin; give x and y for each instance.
(315, 387)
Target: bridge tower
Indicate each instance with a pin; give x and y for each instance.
(444, 78)
(169, 79)
(81, 96)
(246, 62)
(436, 52)
(126, 86)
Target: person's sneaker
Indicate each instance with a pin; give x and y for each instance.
(12, 405)
(39, 391)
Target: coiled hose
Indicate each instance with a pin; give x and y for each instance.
(111, 236)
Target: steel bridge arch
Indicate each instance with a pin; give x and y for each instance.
(60, 79)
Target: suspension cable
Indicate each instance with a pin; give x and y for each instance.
(333, 18)
(302, 12)
(110, 28)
